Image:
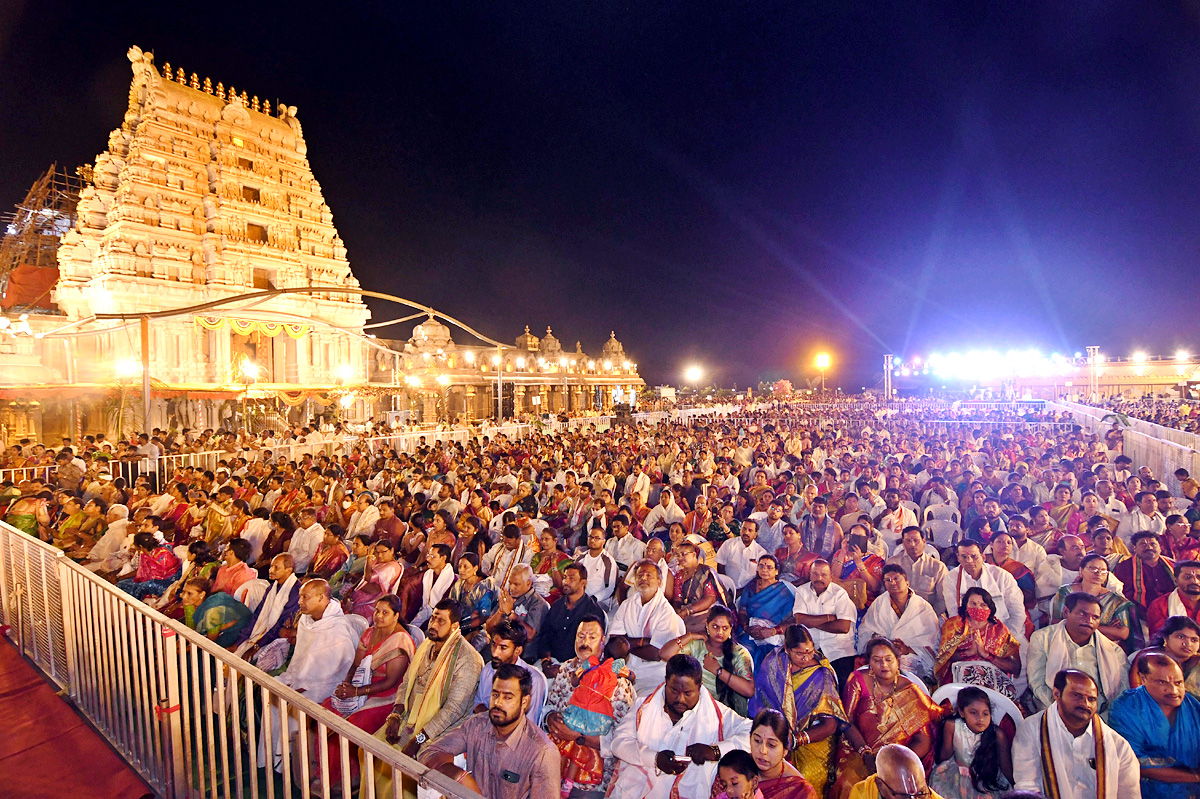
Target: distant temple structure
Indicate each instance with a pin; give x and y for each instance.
(205, 193)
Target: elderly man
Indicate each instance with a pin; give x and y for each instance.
(274, 619)
(1076, 643)
(644, 623)
(818, 531)
(1161, 722)
(828, 612)
(508, 756)
(1147, 575)
(670, 744)
(325, 642)
(924, 569)
(305, 540)
(899, 774)
(905, 618)
(519, 603)
(436, 694)
(1064, 750)
(584, 742)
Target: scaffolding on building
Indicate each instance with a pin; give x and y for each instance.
(34, 229)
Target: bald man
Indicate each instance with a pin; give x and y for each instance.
(899, 774)
(325, 643)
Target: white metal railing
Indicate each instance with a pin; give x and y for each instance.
(187, 715)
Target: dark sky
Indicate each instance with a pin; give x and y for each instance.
(738, 184)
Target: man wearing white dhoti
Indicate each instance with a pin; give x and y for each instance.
(325, 642)
(647, 621)
(906, 619)
(1068, 752)
(669, 744)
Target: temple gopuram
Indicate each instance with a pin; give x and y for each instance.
(205, 193)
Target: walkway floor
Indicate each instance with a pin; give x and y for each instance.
(47, 750)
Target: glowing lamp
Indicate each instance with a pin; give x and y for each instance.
(692, 374)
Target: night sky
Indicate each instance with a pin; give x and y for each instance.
(735, 184)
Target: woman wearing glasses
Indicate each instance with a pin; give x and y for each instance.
(1117, 614)
(884, 707)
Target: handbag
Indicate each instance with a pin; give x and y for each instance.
(353, 704)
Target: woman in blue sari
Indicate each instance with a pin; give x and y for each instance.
(476, 599)
(765, 610)
(217, 616)
(798, 681)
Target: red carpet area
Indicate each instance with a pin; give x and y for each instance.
(47, 751)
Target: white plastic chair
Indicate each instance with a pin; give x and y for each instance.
(917, 681)
(1180, 504)
(942, 533)
(418, 637)
(912, 506)
(251, 593)
(1001, 704)
(947, 513)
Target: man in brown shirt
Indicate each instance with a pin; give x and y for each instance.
(507, 757)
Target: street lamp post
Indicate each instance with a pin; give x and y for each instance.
(823, 362)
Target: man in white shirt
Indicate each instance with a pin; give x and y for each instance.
(738, 557)
(770, 526)
(305, 540)
(435, 582)
(498, 562)
(638, 483)
(362, 522)
(602, 570)
(894, 519)
(647, 621)
(829, 614)
(1144, 516)
(623, 547)
(1002, 586)
(1070, 726)
(663, 515)
(925, 570)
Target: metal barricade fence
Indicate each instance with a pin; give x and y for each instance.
(191, 718)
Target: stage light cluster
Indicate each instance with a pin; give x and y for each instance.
(984, 365)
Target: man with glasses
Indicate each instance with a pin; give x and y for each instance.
(898, 775)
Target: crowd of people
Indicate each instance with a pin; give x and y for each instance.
(1174, 413)
(793, 603)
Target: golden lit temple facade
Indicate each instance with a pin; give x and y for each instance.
(205, 194)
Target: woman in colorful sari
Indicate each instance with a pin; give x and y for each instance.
(1063, 512)
(1180, 640)
(157, 568)
(29, 514)
(476, 600)
(770, 738)
(379, 575)
(798, 681)
(368, 693)
(884, 707)
(1118, 616)
(1002, 548)
(1106, 544)
(331, 554)
(66, 533)
(977, 648)
(858, 571)
(1042, 529)
(215, 615)
(793, 559)
(694, 588)
(728, 670)
(548, 565)
(764, 610)
(200, 563)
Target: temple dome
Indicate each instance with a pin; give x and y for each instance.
(431, 335)
(550, 345)
(527, 341)
(613, 349)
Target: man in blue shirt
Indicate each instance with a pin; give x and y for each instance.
(1161, 722)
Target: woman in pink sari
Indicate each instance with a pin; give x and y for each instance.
(366, 700)
(379, 576)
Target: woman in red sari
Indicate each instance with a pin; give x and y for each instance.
(549, 562)
(1002, 548)
(977, 648)
(770, 739)
(884, 707)
(858, 571)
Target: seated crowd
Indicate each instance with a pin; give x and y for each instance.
(801, 603)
